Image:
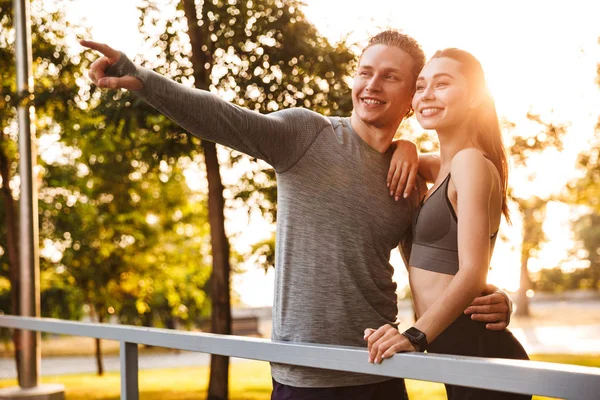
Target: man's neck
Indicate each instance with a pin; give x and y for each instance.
(378, 138)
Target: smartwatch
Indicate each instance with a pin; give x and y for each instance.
(417, 338)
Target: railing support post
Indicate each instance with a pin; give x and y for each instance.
(28, 350)
(129, 371)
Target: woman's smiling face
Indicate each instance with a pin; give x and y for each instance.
(442, 98)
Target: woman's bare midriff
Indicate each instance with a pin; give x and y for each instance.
(426, 287)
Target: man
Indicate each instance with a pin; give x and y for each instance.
(337, 222)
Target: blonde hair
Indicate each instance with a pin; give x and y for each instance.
(409, 45)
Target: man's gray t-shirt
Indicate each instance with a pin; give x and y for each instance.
(336, 222)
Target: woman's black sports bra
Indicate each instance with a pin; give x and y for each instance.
(435, 234)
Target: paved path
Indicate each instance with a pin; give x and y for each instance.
(87, 364)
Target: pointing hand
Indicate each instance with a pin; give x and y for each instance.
(98, 68)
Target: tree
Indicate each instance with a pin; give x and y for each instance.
(126, 233)
(55, 75)
(532, 209)
(586, 191)
(99, 246)
(129, 229)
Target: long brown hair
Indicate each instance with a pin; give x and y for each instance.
(484, 120)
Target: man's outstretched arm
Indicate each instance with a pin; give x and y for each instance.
(279, 138)
(493, 307)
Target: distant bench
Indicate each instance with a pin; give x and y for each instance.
(241, 325)
(245, 326)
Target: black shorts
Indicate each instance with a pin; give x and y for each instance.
(392, 389)
(466, 337)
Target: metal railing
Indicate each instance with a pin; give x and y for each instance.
(527, 377)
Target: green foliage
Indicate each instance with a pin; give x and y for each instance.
(587, 231)
(550, 136)
(556, 280)
(264, 253)
(119, 228)
(586, 190)
(55, 76)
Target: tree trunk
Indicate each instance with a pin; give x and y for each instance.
(99, 360)
(595, 268)
(219, 281)
(218, 386)
(531, 240)
(98, 343)
(12, 238)
(522, 299)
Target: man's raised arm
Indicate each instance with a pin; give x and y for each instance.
(280, 138)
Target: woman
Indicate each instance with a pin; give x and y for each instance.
(449, 261)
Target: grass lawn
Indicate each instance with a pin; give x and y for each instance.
(249, 381)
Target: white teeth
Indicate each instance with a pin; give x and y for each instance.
(372, 101)
(429, 111)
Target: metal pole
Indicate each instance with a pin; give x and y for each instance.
(129, 371)
(29, 302)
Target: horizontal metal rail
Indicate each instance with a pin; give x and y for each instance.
(527, 377)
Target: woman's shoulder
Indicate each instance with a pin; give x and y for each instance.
(469, 155)
(472, 165)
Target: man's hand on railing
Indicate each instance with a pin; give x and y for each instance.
(493, 307)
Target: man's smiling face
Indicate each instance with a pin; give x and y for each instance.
(383, 86)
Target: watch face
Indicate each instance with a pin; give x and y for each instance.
(415, 333)
(417, 338)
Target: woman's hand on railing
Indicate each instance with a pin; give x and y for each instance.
(385, 342)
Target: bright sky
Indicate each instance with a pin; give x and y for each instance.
(538, 55)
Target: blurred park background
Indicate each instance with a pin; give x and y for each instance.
(125, 233)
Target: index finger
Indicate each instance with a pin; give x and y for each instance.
(105, 49)
(390, 174)
(411, 182)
